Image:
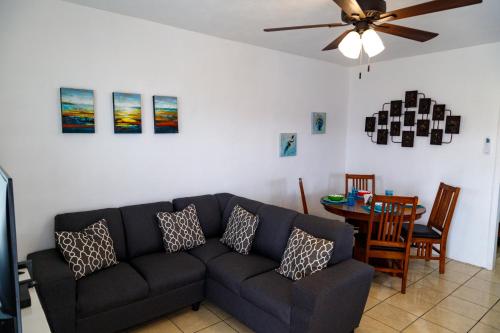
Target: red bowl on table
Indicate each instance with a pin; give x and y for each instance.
(362, 193)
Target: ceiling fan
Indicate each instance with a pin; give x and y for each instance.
(369, 16)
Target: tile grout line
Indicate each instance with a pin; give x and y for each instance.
(489, 310)
(435, 305)
(427, 274)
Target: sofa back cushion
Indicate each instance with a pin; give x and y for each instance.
(141, 227)
(275, 226)
(251, 206)
(80, 220)
(209, 213)
(339, 232)
(223, 199)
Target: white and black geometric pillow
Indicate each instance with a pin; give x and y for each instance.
(88, 250)
(304, 255)
(181, 230)
(240, 230)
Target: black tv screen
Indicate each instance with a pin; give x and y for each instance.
(10, 310)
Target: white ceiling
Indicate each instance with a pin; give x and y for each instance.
(243, 20)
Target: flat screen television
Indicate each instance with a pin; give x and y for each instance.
(10, 310)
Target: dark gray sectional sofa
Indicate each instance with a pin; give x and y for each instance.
(148, 283)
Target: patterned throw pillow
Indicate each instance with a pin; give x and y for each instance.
(88, 250)
(181, 230)
(304, 255)
(240, 230)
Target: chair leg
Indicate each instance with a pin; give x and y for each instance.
(405, 276)
(428, 251)
(442, 258)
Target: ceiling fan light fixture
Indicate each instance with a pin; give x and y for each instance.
(351, 45)
(372, 44)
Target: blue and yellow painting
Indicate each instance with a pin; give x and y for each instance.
(288, 144)
(127, 112)
(318, 122)
(165, 114)
(77, 110)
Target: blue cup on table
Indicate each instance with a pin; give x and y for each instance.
(389, 192)
(351, 200)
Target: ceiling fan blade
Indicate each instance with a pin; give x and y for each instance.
(405, 32)
(335, 44)
(427, 8)
(351, 8)
(330, 25)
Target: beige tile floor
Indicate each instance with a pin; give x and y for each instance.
(465, 299)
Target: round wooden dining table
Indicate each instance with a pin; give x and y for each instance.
(359, 217)
(357, 212)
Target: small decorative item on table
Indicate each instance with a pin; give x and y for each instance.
(389, 192)
(351, 200)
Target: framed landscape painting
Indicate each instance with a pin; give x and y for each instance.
(127, 113)
(165, 114)
(318, 122)
(77, 110)
(288, 144)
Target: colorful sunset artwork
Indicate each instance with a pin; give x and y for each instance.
(127, 112)
(77, 110)
(165, 113)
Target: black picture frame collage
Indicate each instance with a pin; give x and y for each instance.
(417, 121)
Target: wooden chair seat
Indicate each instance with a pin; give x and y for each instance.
(421, 231)
(436, 231)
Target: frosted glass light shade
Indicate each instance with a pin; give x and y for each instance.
(372, 44)
(350, 46)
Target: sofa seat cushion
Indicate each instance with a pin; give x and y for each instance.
(231, 269)
(110, 288)
(210, 250)
(270, 292)
(167, 271)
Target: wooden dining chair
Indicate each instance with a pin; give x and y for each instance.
(303, 197)
(360, 182)
(424, 237)
(384, 239)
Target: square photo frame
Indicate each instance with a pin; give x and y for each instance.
(383, 118)
(409, 118)
(436, 137)
(408, 139)
(423, 126)
(424, 106)
(438, 112)
(395, 128)
(382, 136)
(452, 125)
(370, 124)
(411, 98)
(396, 108)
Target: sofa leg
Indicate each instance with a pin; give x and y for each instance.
(196, 306)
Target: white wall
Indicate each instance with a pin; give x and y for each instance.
(467, 81)
(234, 101)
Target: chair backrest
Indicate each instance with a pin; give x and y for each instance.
(443, 208)
(384, 228)
(303, 197)
(360, 182)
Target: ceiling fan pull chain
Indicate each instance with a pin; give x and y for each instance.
(360, 62)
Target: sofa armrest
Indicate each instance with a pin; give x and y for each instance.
(331, 300)
(56, 288)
